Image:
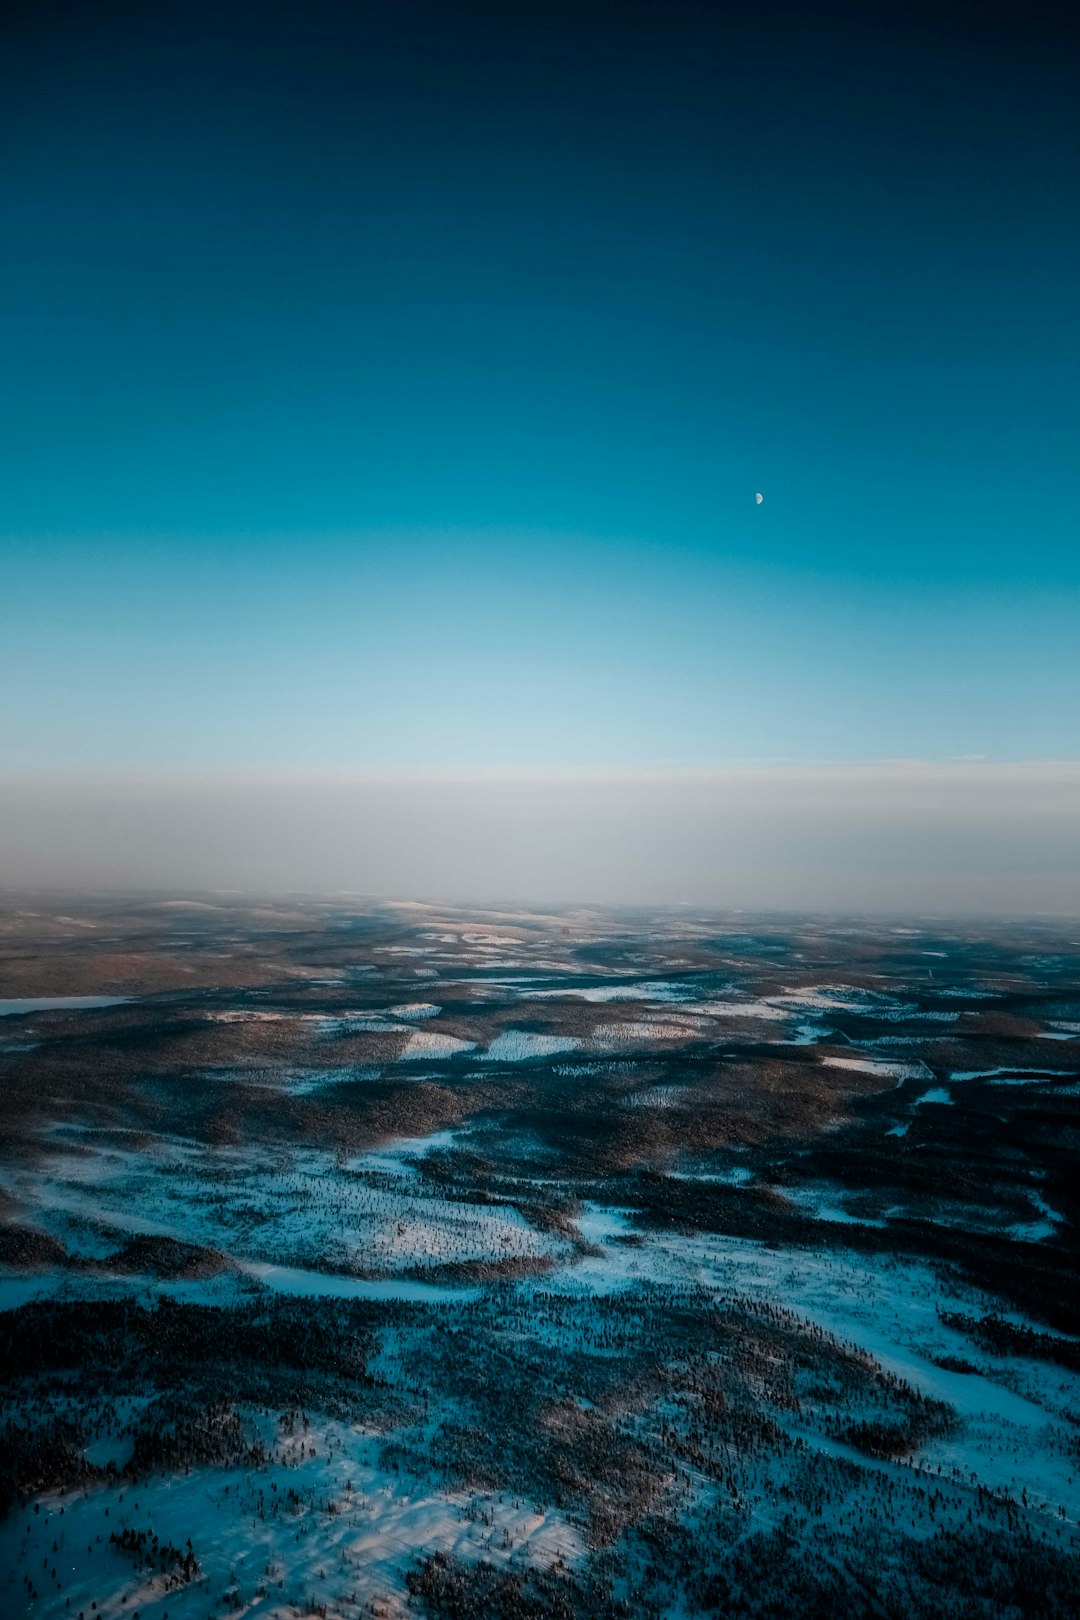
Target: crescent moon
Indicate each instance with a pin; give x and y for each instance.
(759, 499)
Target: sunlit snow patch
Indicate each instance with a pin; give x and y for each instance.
(887, 1071)
(845, 998)
(518, 1045)
(422, 1044)
(358, 1024)
(642, 1032)
(653, 990)
(743, 1009)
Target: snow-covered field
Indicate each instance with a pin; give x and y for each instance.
(634, 1251)
(322, 1521)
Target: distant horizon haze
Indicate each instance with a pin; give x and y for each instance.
(906, 837)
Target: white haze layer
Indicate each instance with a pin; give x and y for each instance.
(965, 837)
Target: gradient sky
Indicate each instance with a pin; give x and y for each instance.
(388, 386)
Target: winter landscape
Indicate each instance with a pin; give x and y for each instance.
(373, 1259)
(539, 811)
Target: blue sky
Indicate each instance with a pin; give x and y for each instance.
(391, 391)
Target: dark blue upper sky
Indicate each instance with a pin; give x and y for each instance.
(390, 384)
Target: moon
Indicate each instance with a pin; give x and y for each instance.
(759, 499)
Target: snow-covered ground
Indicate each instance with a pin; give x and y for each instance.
(275, 1214)
(1016, 1430)
(486, 1246)
(322, 1518)
(520, 1045)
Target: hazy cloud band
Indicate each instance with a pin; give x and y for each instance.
(965, 837)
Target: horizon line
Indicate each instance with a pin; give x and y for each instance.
(960, 765)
